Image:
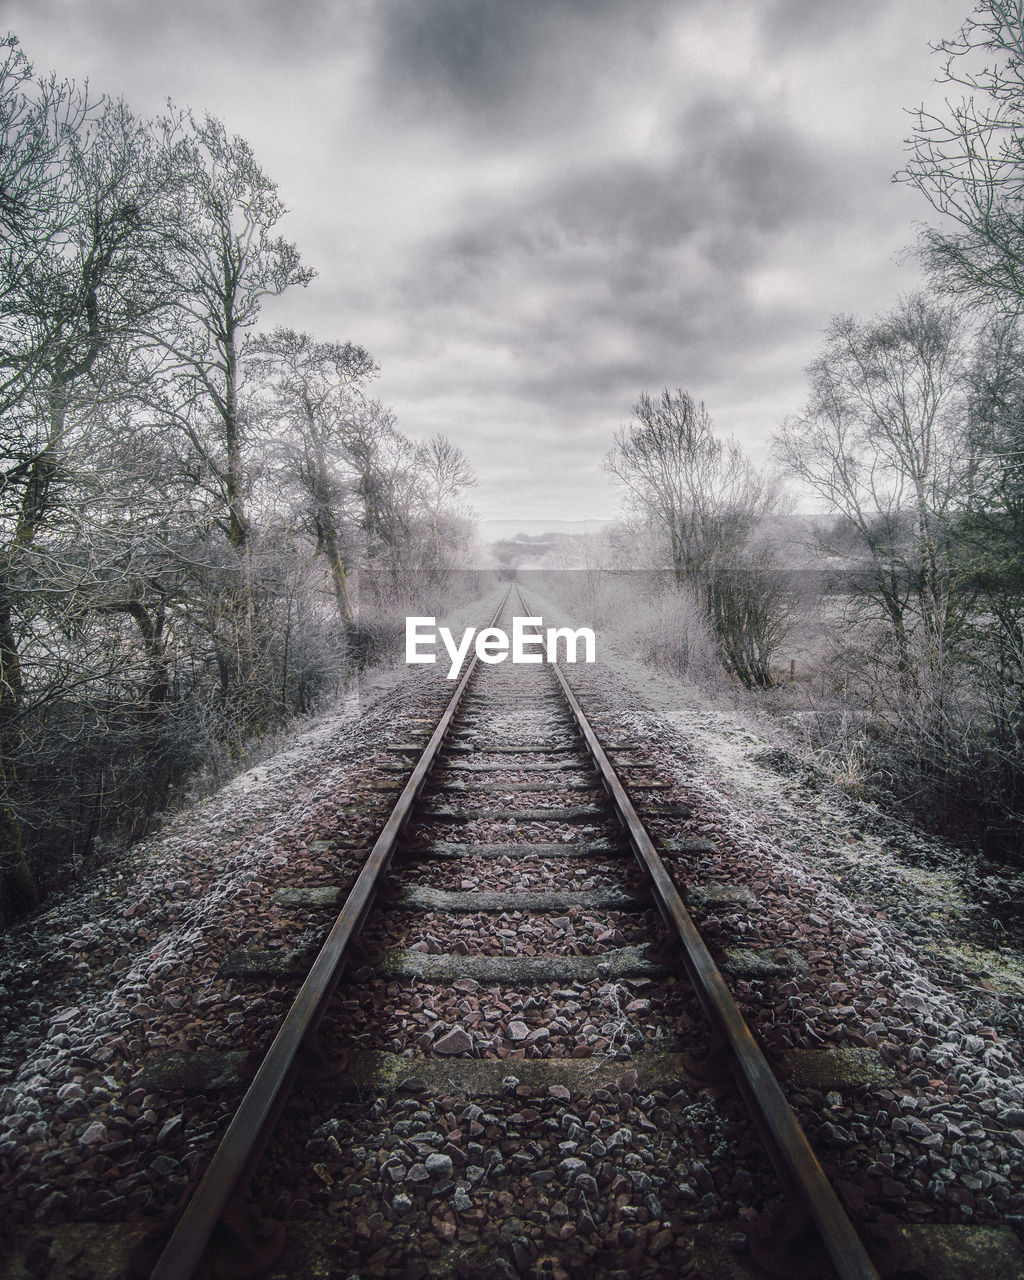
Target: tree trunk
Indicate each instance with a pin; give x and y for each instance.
(159, 684)
(18, 891)
(238, 524)
(338, 574)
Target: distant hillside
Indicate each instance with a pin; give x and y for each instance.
(526, 550)
(498, 530)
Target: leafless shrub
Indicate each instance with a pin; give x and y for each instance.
(654, 617)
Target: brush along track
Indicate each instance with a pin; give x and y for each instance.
(508, 1080)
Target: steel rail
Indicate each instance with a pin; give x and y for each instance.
(786, 1141)
(253, 1122)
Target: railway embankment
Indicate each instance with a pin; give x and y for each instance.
(879, 969)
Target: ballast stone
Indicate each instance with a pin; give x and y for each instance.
(439, 1165)
(452, 1042)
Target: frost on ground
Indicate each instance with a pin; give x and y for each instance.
(959, 907)
(124, 966)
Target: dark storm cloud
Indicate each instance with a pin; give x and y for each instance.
(736, 176)
(815, 24)
(472, 49)
(735, 171)
(491, 59)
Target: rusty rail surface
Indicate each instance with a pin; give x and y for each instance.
(253, 1122)
(787, 1144)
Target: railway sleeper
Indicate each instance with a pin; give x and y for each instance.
(940, 1251)
(533, 766)
(423, 898)
(512, 748)
(839, 1070)
(620, 962)
(509, 788)
(576, 813)
(567, 849)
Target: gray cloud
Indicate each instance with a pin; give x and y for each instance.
(635, 274)
(531, 210)
(503, 63)
(254, 30)
(474, 50)
(639, 256)
(735, 172)
(814, 24)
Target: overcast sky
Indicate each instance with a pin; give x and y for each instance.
(532, 210)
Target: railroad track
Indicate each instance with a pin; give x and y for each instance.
(513, 1046)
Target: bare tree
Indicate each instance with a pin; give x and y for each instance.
(885, 442)
(705, 500)
(968, 161)
(699, 491)
(316, 408)
(164, 523)
(911, 438)
(226, 260)
(443, 474)
(40, 118)
(381, 461)
(990, 538)
(35, 118)
(85, 284)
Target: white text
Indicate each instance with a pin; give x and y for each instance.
(494, 645)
